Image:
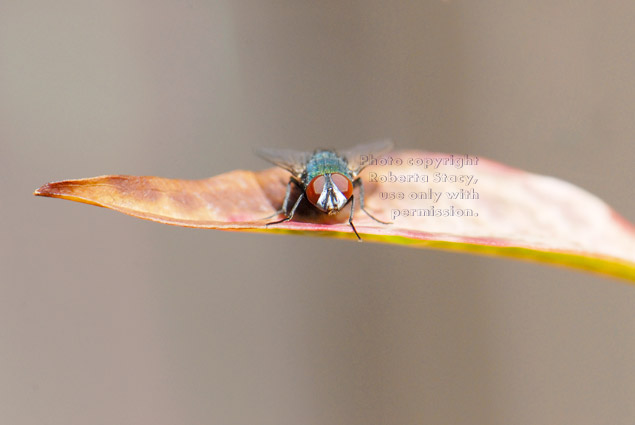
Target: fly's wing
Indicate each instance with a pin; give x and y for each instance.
(289, 159)
(358, 156)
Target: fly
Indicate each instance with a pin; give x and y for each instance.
(326, 178)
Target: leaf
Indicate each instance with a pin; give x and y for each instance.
(517, 214)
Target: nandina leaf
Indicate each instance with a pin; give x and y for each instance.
(517, 214)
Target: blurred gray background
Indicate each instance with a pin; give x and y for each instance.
(107, 319)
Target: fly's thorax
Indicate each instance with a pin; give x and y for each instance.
(325, 162)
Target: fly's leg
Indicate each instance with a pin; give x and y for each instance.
(358, 182)
(285, 203)
(290, 215)
(350, 218)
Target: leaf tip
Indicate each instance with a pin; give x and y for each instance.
(43, 190)
(51, 189)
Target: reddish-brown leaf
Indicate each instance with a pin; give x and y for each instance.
(517, 214)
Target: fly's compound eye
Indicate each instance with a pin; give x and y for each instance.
(343, 183)
(314, 189)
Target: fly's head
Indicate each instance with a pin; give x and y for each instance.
(329, 192)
